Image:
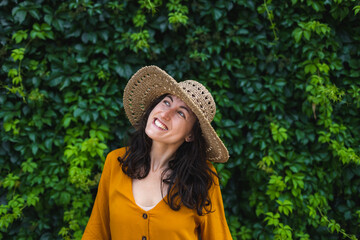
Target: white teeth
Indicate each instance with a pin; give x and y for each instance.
(160, 125)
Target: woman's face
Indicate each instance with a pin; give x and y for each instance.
(170, 122)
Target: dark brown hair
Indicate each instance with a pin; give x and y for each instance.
(188, 175)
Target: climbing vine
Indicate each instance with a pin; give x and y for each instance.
(283, 75)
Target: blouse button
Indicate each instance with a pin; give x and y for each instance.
(145, 217)
(143, 238)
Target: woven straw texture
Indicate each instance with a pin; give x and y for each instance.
(150, 82)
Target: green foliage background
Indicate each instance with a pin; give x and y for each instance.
(284, 74)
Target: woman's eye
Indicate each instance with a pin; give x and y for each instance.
(166, 103)
(182, 114)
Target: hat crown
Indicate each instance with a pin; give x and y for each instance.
(201, 97)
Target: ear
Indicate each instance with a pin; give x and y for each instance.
(189, 138)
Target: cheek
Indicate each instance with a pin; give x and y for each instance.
(155, 110)
(149, 120)
(188, 127)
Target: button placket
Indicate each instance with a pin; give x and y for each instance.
(145, 217)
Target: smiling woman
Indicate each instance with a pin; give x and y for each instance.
(163, 185)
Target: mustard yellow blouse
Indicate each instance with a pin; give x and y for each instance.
(115, 214)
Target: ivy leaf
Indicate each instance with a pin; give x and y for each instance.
(12, 73)
(312, 212)
(18, 54)
(356, 9)
(35, 14)
(42, 31)
(32, 199)
(297, 34)
(310, 68)
(3, 209)
(19, 14)
(285, 206)
(64, 198)
(10, 181)
(279, 134)
(217, 13)
(34, 148)
(272, 219)
(7, 126)
(20, 35)
(28, 166)
(307, 34)
(268, 160)
(124, 70)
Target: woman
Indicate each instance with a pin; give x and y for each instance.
(162, 186)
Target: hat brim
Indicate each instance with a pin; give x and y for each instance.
(151, 82)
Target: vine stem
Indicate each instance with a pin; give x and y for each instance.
(270, 19)
(19, 71)
(342, 231)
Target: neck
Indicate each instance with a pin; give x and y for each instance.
(160, 156)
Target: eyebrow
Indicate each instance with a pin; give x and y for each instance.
(172, 100)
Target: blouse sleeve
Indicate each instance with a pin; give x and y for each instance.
(214, 225)
(98, 226)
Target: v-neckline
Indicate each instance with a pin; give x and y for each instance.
(138, 206)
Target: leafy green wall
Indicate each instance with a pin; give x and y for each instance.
(285, 76)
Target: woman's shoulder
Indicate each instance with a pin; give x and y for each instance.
(115, 154)
(120, 152)
(211, 166)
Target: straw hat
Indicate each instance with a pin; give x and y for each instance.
(151, 82)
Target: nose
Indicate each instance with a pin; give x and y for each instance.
(167, 114)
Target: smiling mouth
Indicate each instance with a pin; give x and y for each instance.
(160, 124)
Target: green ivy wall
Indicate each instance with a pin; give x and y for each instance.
(285, 76)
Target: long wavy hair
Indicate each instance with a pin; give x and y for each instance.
(189, 177)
